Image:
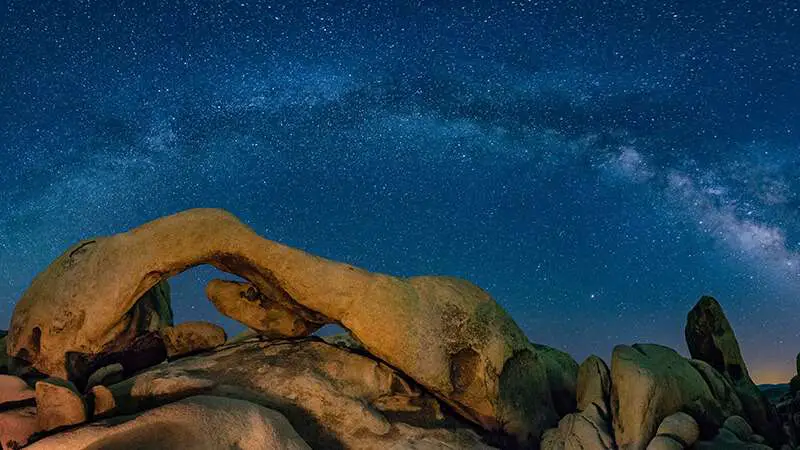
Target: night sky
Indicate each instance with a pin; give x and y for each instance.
(596, 166)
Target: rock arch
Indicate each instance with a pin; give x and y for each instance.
(82, 302)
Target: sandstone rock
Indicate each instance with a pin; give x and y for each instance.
(727, 440)
(14, 390)
(447, 334)
(17, 426)
(582, 430)
(192, 337)
(739, 427)
(681, 427)
(594, 384)
(102, 401)
(664, 442)
(710, 338)
(332, 397)
(243, 302)
(58, 404)
(201, 423)
(110, 374)
(650, 382)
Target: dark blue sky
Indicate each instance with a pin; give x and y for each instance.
(596, 166)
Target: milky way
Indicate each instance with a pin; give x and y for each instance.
(596, 170)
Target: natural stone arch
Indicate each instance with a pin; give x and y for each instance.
(81, 304)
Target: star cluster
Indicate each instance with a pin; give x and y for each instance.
(596, 170)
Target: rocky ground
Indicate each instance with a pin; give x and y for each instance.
(94, 360)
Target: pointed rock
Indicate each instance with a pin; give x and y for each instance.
(710, 338)
(594, 384)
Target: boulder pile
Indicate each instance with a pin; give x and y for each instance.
(94, 359)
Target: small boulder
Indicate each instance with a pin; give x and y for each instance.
(680, 427)
(102, 401)
(739, 427)
(59, 404)
(192, 337)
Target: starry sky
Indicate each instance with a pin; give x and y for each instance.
(596, 166)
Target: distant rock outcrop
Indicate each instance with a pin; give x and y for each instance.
(710, 338)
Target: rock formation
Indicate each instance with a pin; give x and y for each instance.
(650, 382)
(446, 334)
(424, 362)
(710, 338)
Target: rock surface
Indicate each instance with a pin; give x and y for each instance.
(650, 382)
(710, 338)
(192, 337)
(17, 426)
(333, 398)
(58, 404)
(447, 334)
(14, 390)
(200, 422)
